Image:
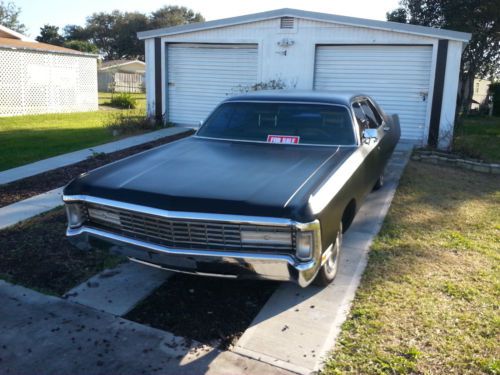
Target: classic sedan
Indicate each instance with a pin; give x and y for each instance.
(264, 189)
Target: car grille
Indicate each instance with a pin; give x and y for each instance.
(184, 234)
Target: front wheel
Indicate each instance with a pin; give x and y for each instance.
(329, 270)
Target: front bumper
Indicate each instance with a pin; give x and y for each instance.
(201, 262)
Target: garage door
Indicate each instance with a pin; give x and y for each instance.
(396, 76)
(200, 76)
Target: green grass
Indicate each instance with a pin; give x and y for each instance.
(478, 137)
(428, 302)
(25, 139)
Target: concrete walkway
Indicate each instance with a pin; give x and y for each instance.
(45, 165)
(40, 334)
(118, 290)
(297, 327)
(23, 210)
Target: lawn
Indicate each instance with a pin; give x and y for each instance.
(428, 302)
(478, 137)
(25, 139)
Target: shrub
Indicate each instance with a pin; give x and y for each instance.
(129, 122)
(124, 100)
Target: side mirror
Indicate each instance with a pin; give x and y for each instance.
(370, 135)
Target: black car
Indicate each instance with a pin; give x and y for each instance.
(264, 189)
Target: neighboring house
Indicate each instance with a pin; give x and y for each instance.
(43, 78)
(121, 76)
(480, 93)
(410, 70)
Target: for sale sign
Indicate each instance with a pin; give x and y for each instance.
(290, 139)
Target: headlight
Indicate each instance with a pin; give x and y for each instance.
(305, 245)
(75, 215)
(266, 237)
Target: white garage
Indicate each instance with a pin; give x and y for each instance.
(205, 74)
(410, 70)
(398, 78)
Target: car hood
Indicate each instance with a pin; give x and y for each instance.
(217, 176)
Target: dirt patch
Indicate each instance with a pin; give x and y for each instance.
(210, 310)
(34, 185)
(37, 254)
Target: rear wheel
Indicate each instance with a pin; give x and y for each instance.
(329, 270)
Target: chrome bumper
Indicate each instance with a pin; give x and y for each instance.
(202, 262)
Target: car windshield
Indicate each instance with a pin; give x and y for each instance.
(281, 123)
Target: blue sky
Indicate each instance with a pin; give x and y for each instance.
(36, 13)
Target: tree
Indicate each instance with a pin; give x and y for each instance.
(481, 18)
(397, 15)
(127, 45)
(82, 46)
(101, 29)
(75, 32)
(9, 17)
(115, 33)
(50, 34)
(172, 15)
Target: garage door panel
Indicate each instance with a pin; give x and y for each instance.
(201, 76)
(396, 76)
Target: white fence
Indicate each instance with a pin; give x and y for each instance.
(110, 81)
(41, 82)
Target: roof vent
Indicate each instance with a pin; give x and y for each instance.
(287, 23)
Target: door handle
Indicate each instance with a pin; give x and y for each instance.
(387, 128)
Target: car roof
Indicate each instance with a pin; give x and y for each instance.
(328, 97)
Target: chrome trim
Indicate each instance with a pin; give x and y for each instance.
(175, 251)
(305, 271)
(186, 272)
(199, 216)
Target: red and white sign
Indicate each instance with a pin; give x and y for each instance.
(290, 139)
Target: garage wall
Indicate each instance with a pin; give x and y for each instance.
(297, 67)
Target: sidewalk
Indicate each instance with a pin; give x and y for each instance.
(45, 165)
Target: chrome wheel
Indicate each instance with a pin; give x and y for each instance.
(330, 268)
(332, 264)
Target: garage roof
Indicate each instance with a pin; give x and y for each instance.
(323, 17)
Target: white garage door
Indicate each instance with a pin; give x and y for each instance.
(397, 77)
(201, 76)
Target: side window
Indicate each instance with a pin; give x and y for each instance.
(360, 117)
(372, 120)
(378, 116)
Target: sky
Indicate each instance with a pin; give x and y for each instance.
(36, 13)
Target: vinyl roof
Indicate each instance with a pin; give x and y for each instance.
(324, 17)
(315, 96)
